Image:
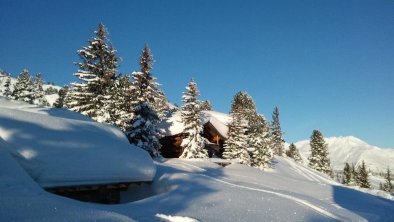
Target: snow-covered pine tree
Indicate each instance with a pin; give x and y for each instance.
(293, 153)
(236, 144)
(277, 140)
(146, 88)
(7, 93)
(381, 186)
(60, 101)
(259, 141)
(193, 143)
(38, 91)
(143, 131)
(362, 174)
(355, 177)
(206, 105)
(388, 185)
(23, 88)
(347, 174)
(97, 70)
(121, 108)
(319, 159)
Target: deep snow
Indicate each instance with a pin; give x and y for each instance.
(58, 147)
(182, 190)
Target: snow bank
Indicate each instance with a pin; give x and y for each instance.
(58, 147)
(23, 200)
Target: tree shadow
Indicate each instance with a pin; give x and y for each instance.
(177, 190)
(367, 206)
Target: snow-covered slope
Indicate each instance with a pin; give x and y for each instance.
(58, 147)
(182, 190)
(353, 150)
(200, 190)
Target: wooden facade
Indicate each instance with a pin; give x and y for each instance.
(104, 194)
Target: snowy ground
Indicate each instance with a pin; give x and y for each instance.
(182, 190)
(187, 190)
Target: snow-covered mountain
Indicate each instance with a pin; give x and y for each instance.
(352, 150)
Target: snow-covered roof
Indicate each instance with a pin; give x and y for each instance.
(173, 125)
(58, 147)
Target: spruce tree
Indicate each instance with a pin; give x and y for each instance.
(388, 185)
(60, 101)
(293, 153)
(206, 105)
(143, 131)
(146, 89)
(363, 176)
(381, 186)
(347, 174)
(120, 109)
(259, 138)
(355, 178)
(7, 93)
(277, 140)
(38, 91)
(97, 70)
(23, 88)
(319, 159)
(235, 146)
(193, 143)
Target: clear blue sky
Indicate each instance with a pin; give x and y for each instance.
(327, 64)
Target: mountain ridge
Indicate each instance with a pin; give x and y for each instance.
(353, 150)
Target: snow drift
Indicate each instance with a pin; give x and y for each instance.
(58, 147)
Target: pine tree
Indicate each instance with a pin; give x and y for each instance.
(347, 174)
(277, 140)
(355, 177)
(381, 186)
(146, 89)
(120, 109)
(293, 153)
(363, 176)
(259, 137)
(38, 91)
(388, 185)
(319, 159)
(23, 88)
(206, 105)
(7, 93)
(235, 146)
(193, 143)
(97, 70)
(60, 101)
(143, 131)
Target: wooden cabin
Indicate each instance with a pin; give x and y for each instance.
(171, 144)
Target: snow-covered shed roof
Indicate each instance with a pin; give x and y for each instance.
(173, 125)
(60, 148)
